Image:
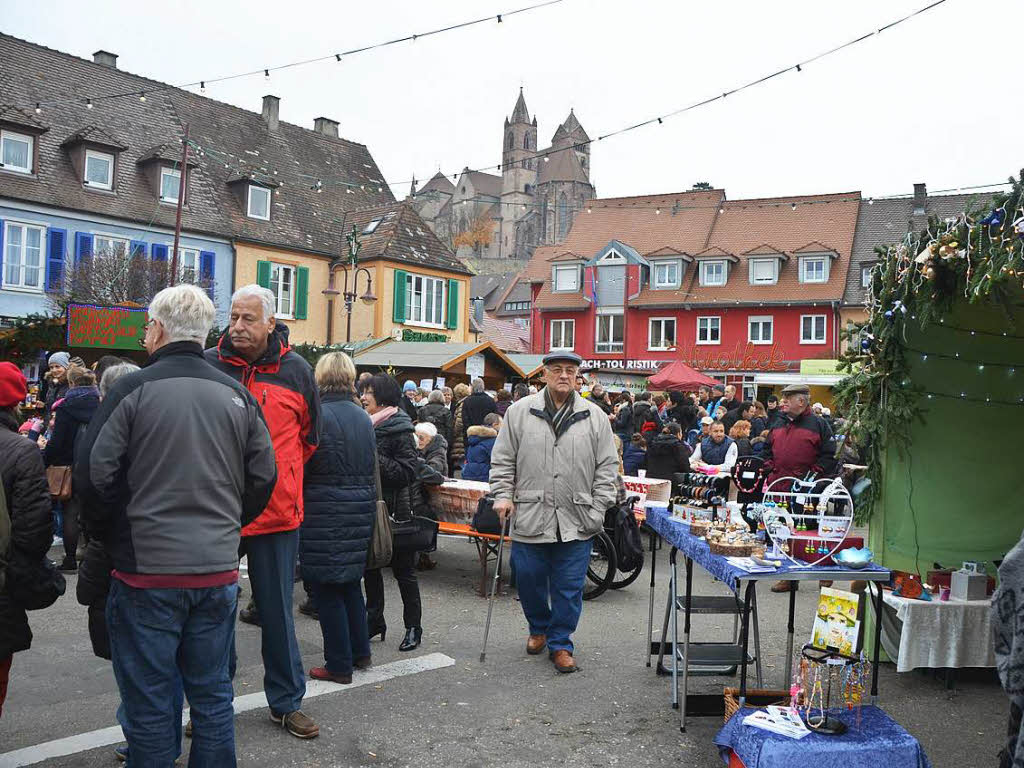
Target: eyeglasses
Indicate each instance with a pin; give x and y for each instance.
(559, 371)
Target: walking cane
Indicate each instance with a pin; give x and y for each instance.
(494, 588)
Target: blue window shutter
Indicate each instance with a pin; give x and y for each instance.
(83, 247)
(1, 252)
(56, 245)
(138, 248)
(206, 261)
(158, 252)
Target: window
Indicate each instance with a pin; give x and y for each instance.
(110, 246)
(370, 228)
(170, 181)
(865, 276)
(563, 334)
(424, 300)
(282, 285)
(709, 330)
(609, 333)
(812, 329)
(23, 257)
(516, 306)
(259, 203)
(661, 333)
(759, 329)
(712, 273)
(16, 152)
(567, 278)
(666, 274)
(99, 170)
(188, 265)
(763, 271)
(813, 270)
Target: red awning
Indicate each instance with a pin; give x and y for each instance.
(679, 376)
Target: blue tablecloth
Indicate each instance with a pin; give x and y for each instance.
(877, 741)
(677, 533)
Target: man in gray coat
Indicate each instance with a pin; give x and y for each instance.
(553, 468)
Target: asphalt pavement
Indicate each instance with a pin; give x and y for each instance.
(513, 710)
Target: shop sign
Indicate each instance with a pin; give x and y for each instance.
(819, 367)
(624, 365)
(475, 366)
(743, 357)
(410, 335)
(105, 327)
(614, 382)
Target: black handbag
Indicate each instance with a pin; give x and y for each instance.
(35, 586)
(413, 535)
(485, 519)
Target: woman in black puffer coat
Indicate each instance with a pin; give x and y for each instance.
(27, 498)
(399, 465)
(340, 494)
(437, 413)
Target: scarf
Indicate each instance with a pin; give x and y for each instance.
(555, 414)
(383, 415)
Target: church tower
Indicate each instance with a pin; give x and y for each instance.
(518, 162)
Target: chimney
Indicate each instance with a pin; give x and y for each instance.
(105, 59)
(920, 198)
(478, 310)
(326, 126)
(271, 110)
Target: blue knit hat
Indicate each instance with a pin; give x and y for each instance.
(63, 359)
(409, 385)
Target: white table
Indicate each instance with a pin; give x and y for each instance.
(936, 634)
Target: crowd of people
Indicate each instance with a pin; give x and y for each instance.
(279, 475)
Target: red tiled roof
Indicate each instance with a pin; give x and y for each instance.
(506, 335)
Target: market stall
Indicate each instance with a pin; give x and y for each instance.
(678, 376)
(434, 364)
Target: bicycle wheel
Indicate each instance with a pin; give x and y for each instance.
(625, 578)
(601, 570)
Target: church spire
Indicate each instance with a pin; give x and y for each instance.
(520, 113)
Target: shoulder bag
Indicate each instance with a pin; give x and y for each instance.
(381, 544)
(59, 481)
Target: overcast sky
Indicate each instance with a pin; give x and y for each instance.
(936, 99)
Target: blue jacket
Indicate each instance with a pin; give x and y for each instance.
(480, 442)
(340, 495)
(633, 458)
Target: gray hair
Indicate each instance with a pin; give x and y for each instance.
(113, 373)
(478, 386)
(256, 291)
(426, 428)
(437, 396)
(185, 312)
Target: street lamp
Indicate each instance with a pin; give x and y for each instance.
(368, 298)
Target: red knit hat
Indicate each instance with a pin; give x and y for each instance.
(13, 388)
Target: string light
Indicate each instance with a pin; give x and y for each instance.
(88, 104)
(202, 86)
(266, 74)
(142, 97)
(38, 108)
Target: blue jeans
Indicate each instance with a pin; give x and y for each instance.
(271, 559)
(162, 640)
(343, 622)
(550, 579)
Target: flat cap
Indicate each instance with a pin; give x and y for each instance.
(796, 389)
(563, 357)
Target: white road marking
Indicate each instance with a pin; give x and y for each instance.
(103, 737)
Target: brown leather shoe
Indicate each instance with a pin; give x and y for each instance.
(783, 586)
(535, 644)
(564, 662)
(297, 724)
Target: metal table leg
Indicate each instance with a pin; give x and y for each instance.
(673, 596)
(757, 638)
(650, 607)
(664, 628)
(879, 607)
(686, 643)
(788, 679)
(747, 600)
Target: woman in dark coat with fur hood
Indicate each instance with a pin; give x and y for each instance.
(27, 501)
(399, 465)
(340, 497)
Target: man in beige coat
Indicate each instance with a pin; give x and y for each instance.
(553, 468)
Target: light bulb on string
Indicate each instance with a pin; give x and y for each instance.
(266, 74)
(202, 86)
(38, 108)
(88, 104)
(142, 97)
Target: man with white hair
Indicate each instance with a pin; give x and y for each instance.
(254, 350)
(476, 406)
(177, 458)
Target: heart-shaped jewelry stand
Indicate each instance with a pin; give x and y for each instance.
(821, 513)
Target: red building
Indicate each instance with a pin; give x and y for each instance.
(743, 290)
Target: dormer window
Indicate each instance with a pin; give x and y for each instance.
(712, 272)
(813, 269)
(370, 228)
(170, 183)
(259, 203)
(566, 278)
(16, 151)
(764, 271)
(99, 169)
(667, 274)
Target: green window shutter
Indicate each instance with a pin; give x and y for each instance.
(301, 292)
(452, 321)
(263, 273)
(398, 313)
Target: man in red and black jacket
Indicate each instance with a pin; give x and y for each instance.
(801, 442)
(254, 350)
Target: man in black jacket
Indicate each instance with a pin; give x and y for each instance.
(476, 406)
(176, 460)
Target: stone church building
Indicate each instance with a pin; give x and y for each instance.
(483, 216)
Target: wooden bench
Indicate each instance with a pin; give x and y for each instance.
(486, 547)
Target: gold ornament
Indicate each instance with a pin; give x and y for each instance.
(930, 273)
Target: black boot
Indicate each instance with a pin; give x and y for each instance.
(249, 614)
(378, 629)
(413, 635)
(307, 608)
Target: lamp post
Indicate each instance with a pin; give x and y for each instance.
(368, 298)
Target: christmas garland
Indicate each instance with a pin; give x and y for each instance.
(977, 256)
